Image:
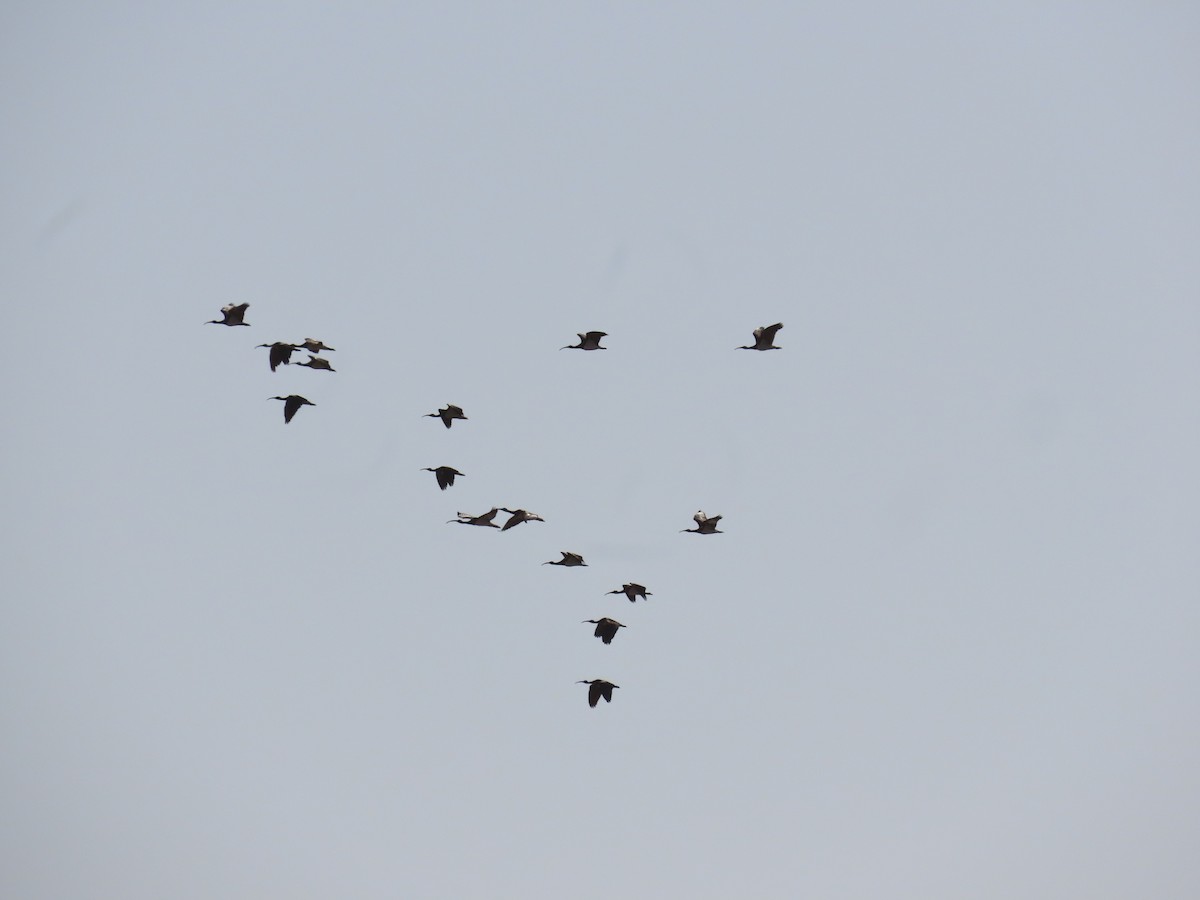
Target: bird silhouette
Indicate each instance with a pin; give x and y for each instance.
(445, 475)
(764, 338)
(314, 346)
(606, 629)
(632, 591)
(484, 519)
(518, 516)
(568, 559)
(291, 404)
(704, 524)
(589, 341)
(598, 688)
(316, 362)
(447, 414)
(232, 314)
(281, 353)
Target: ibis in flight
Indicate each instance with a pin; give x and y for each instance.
(633, 591)
(281, 353)
(597, 688)
(764, 338)
(517, 516)
(484, 519)
(316, 362)
(606, 629)
(445, 475)
(314, 346)
(291, 404)
(704, 524)
(568, 559)
(447, 414)
(232, 315)
(589, 341)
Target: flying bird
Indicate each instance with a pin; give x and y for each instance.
(314, 346)
(518, 516)
(764, 338)
(281, 353)
(606, 629)
(568, 559)
(704, 524)
(316, 362)
(232, 314)
(291, 404)
(598, 688)
(447, 414)
(484, 519)
(589, 341)
(633, 591)
(445, 475)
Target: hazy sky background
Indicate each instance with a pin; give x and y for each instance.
(946, 647)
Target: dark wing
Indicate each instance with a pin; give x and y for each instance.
(595, 335)
(769, 331)
(290, 405)
(606, 689)
(280, 354)
(594, 690)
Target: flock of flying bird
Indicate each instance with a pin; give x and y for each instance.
(606, 628)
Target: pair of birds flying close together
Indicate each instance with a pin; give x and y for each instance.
(281, 354)
(516, 517)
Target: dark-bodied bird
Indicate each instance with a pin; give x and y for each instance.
(568, 559)
(518, 516)
(281, 353)
(764, 338)
(445, 475)
(598, 688)
(291, 404)
(484, 519)
(232, 314)
(314, 346)
(704, 524)
(606, 628)
(316, 362)
(589, 341)
(447, 414)
(632, 591)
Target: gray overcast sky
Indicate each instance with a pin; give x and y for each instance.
(946, 647)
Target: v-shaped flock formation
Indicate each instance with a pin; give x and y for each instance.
(606, 627)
